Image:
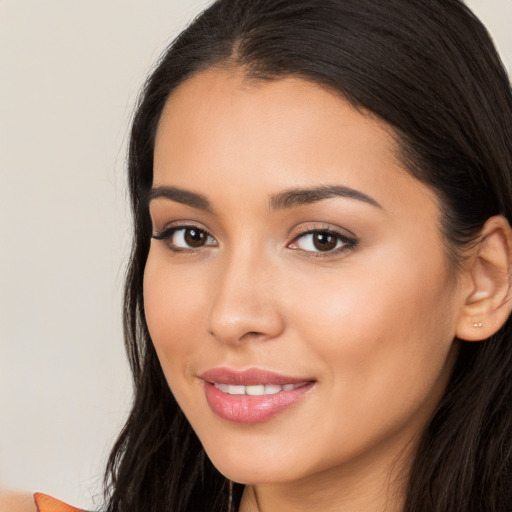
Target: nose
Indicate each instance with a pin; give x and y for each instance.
(245, 302)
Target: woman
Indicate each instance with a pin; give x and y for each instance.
(317, 304)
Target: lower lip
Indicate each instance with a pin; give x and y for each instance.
(251, 409)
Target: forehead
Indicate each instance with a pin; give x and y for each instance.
(218, 127)
(284, 106)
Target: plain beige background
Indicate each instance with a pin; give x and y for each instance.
(69, 75)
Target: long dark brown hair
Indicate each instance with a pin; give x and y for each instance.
(429, 69)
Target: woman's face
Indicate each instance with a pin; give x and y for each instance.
(297, 290)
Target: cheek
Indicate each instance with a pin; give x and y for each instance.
(173, 305)
(384, 329)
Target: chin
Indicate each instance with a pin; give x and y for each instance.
(254, 473)
(257, 461)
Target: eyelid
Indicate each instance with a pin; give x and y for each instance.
(175, 225)
(168, 231)
(314, 227)
(349, 241)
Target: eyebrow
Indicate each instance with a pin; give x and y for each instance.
(292, 198)
(179, 195)
(302, 196)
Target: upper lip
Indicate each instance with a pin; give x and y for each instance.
(249, 377)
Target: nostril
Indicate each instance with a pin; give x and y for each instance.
(232, 320)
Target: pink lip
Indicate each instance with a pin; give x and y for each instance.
(249, 377)
(251, 409)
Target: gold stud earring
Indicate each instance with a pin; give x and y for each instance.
(477, 324)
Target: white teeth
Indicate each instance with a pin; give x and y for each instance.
(236, 390)
(223, 387)
(256, 390)
(272, 389)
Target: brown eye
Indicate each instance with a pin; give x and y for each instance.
(194, 237)
(324, 241)
(185, 238)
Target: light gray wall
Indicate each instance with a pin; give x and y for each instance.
(69, 74)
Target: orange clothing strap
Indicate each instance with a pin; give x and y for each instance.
(46, 503)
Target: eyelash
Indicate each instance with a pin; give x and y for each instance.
(347, 243)
(167, 234)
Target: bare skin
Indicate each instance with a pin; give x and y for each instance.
(15, 501)
(369, 317)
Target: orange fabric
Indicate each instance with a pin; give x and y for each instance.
(46, 503)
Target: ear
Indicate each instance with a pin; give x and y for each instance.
(486, 284)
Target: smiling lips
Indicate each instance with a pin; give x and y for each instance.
(251, 396)
(256, 390)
